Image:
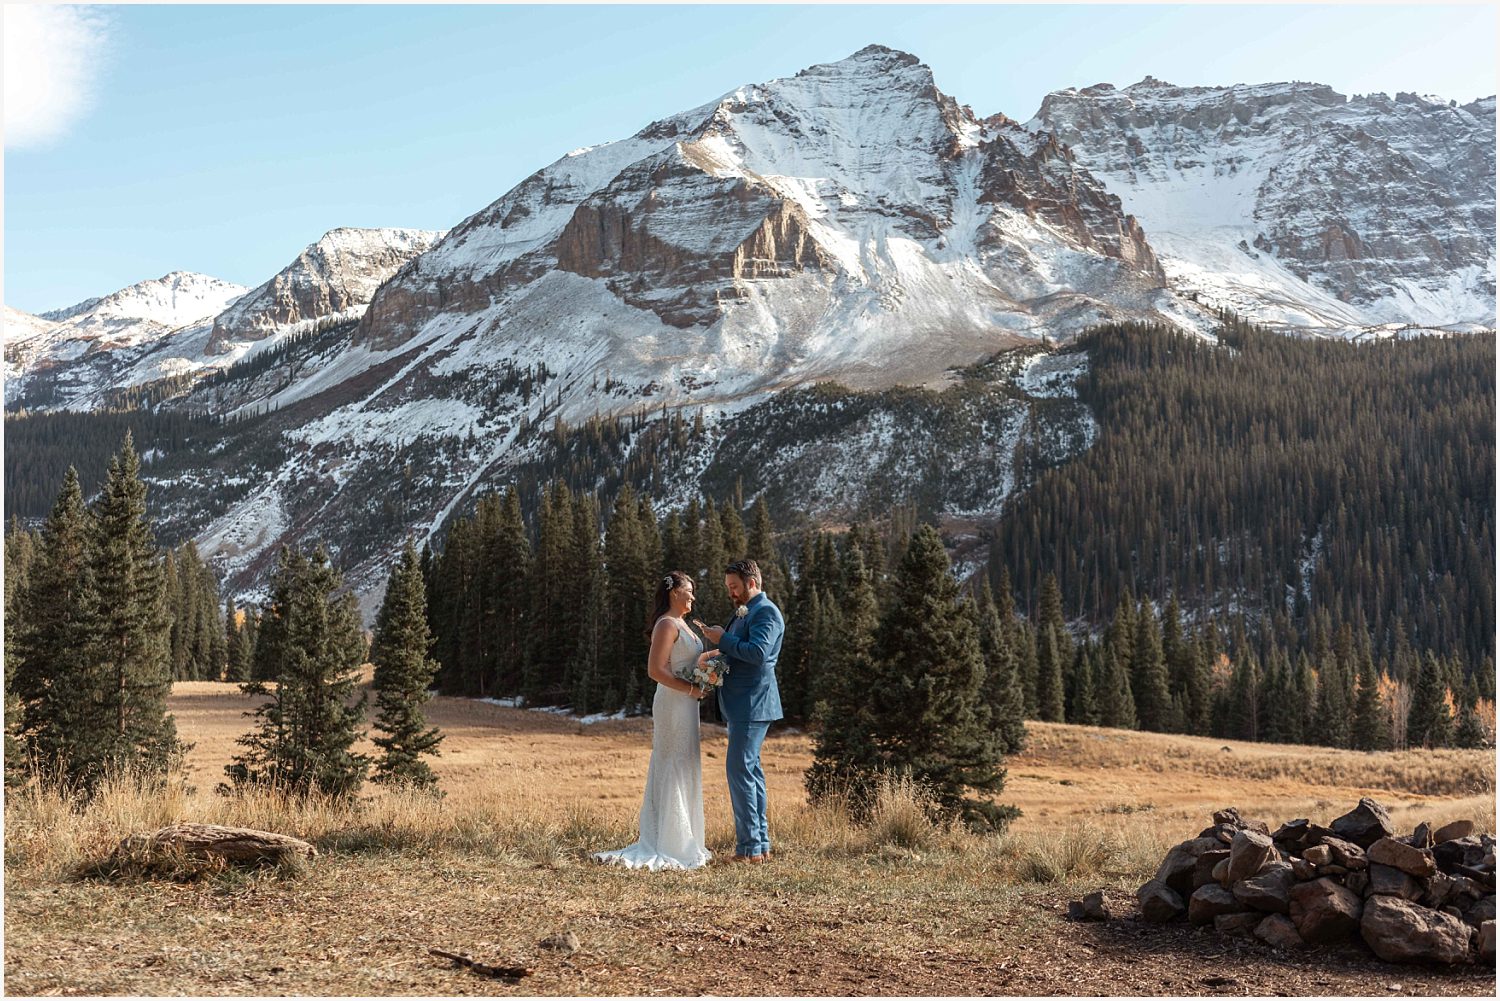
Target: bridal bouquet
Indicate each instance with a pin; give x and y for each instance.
(706, 672)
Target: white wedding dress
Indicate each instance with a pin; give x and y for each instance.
(672, 809)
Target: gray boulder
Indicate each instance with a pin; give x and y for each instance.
(1324, 911)
(1278, 931)
(1386, 881)
(1454, 831)
(1248, 853)
(1176, 870)
(1208, 902)
(1346, 853)
(1364, 825)
(1159, 902)
(1399, 931)
(1415, 861)
(1270, 890)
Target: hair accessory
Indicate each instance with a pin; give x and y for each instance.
(667, 582)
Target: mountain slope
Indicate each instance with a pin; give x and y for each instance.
(1297, 206)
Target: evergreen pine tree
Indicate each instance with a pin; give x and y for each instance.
(1116, 701)
(512, 554)
(55, 678)
(20, 553)
(133, 648)
(761, 547)
(311, 644)
(403, 674)
(1370, 730)
(1429, 723)
(1148, 681)
(1003, 690)
(1084, 707)
(1049, 674)
(929, 716)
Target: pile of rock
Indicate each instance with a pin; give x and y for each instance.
(1425, 897)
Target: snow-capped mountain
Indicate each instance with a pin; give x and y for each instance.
(88, 347)
(849, 223)
(1294, 205)
(337, 276)
(184, 324)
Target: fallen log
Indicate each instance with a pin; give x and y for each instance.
(208, 842)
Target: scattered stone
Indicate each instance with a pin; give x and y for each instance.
(1454, 831)
(1248, 853)
(1159, 902)
(1487, 942)
(1364, 825)
(1386, 881)
(1208, 902)
(1332, 870)
(1415, 861)
(1399, 931)
(1304, 869)
(1278, 931)
(565, 943)
(1319, 855)
(1346, 853)
(1452, 912)
(1357, 882)
(1221, 872)
(1324, 911)
(1094, 907)
(1422, 836)
(1075, 911)
(1269, 890)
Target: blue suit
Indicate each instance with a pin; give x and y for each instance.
(749, 702)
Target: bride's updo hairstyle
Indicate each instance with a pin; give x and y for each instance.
(665, 585)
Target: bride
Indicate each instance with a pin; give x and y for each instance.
(672, 809)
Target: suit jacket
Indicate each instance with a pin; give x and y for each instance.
(750, 645)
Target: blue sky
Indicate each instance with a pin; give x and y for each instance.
(224, 139)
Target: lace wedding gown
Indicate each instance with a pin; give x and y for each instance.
(672, 809)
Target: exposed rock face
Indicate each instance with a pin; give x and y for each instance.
(1253, 193)
(854, 188)
(338, 273)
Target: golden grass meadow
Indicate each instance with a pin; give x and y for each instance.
(500, 863)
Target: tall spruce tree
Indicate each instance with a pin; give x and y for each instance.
(1370, 732)
(1148, 681)
(1429, 722)
(930, 718)
(403, 674)
(133, 648)
(310, 642)
(56, 680)
(1003, 690)
(1049, 674)
(1116, 701)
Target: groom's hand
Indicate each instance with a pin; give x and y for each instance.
(713, 633)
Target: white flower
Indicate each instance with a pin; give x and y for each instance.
(741, 612)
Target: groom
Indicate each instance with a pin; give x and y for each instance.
(749, 702)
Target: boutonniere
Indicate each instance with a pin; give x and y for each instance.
(741, 611)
